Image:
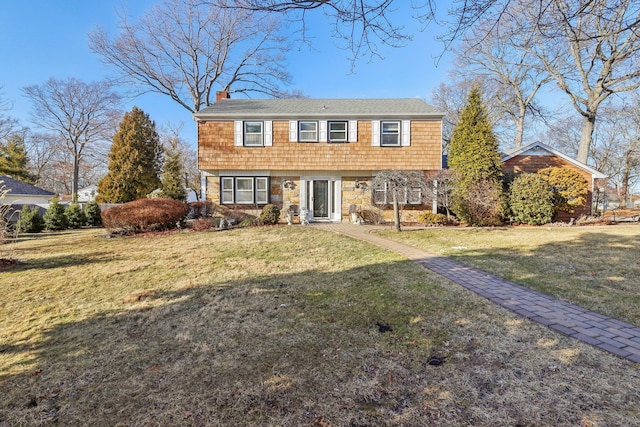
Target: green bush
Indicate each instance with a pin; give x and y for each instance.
(54, 218)
(30, 220)
(531, 199)
(270, 215)
(429, 218)
(75, 217)
(249, 222)
(93, 214)
(145, 215)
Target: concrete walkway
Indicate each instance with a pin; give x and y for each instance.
(606, 333)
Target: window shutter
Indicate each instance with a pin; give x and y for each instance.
(293, 130)
(353, 130)
(375, 137)
(238, 133)
(322, 134)
(406, 133)
(268, 133)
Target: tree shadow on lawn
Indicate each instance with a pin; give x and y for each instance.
(598, 271)
(304, 349)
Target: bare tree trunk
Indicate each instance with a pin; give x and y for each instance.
(588, 125)
(76, 174)
(396, 212)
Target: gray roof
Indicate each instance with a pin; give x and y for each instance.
(16, 187)
(319, 108)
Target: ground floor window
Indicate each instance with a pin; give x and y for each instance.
(244, 190)
(406, 196)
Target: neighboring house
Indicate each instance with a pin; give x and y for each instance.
(21, 193)
(533, 157)
(87, 194)
(317, 155)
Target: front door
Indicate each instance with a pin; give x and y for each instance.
(320, 198)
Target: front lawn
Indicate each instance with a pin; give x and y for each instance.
(594, 267)
(278, 326)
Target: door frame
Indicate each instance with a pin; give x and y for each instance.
(334, 196)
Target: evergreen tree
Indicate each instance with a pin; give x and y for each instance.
(135, 160)
(13, 160)
(54, 218)
(93, 214)
(74, 215)
(30, 220)
(172, 185)
(474, 157)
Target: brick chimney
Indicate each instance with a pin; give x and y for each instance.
(222, 94)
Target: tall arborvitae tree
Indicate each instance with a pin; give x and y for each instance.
(135, 160)
(474, 157)
(172, 172)
(13, 159)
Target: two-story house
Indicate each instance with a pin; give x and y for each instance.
(316, 155)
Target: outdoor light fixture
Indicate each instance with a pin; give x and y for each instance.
(287, 183)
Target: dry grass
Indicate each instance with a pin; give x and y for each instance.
(282, 326)
(594, 267)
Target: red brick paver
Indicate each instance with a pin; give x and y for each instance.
(606, 333)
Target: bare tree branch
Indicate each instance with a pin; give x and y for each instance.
(184, 49)
(80, 114)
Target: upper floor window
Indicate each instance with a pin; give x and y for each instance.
(338, 131)
(390, 133)
(308, 131)
(253, 134)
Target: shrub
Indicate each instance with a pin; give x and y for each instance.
(93, 214)
(270, 215)
(202, 209)
(145, 215)
(478, 203)
(531, 199)
(54, 218)
(369, 216)
(30, 220)
(74, 215)
(202, 224)
(569, 187)
(249, 222)
(429, 218)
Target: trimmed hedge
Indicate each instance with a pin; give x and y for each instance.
(429, 218)
(145, 215)
(270, 215)
(531, 199)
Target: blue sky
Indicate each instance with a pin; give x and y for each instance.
(46, 38)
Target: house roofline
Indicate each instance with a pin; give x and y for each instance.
(521, 150)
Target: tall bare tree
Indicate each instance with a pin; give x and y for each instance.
(365, 24)
(592, 50)
(8, 125)
(616, 150)
(82, 115)
(502, 55)
(186, 49)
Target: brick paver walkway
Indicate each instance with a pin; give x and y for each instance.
(606, 333)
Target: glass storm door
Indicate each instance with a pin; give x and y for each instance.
(320, 199)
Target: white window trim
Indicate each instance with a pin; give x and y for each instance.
(266, 133)
(404, 133)
(346, 131)
(399, 134)
(388, 199)
(300, 131)
(259, 197)
(353, 131)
